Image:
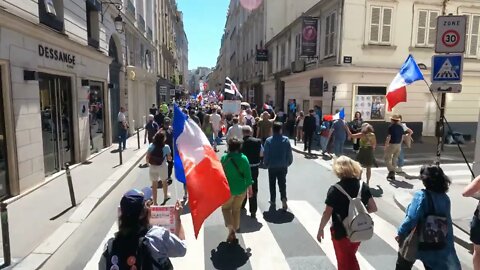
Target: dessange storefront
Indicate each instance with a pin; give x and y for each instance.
(54, 93)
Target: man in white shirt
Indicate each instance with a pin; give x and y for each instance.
(122, 129)
(216, 120)
(235, 130)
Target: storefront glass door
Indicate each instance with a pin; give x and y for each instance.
(56, 114)
(3, 148)
(96, 117)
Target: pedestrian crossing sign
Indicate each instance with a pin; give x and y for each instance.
(447, 68)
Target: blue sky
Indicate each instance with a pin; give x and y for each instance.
(204, 21)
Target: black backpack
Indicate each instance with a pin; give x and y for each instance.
(156, 156)
(434, 228)
(124, 253)
(249, 121)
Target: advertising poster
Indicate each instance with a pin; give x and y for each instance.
(363, 104)
(163, 216)
(371, 107)
(309, 36)
(378, 107)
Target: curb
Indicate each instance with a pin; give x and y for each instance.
(49, 246)
(460, 236)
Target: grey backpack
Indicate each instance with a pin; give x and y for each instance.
(358, 223)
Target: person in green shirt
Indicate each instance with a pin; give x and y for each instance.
(239, 177)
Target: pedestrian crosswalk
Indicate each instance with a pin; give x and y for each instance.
(266, 251)
(458, 172)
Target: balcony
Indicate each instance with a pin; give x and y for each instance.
(141, 22)
(150, 33)
(130, 8)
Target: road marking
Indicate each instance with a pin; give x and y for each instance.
(266, 253)
(93, 263)
(195, 257)
(387, 233)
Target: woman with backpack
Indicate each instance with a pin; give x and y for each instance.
(239, 177)
(139, 245)
(428, 216)
(157, 155)
(349, 190)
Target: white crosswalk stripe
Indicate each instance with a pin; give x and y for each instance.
(266, 252)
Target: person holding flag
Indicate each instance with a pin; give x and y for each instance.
(197, 166)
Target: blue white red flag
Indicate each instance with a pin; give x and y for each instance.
(339, 115)
(397, 90)
(197, 165)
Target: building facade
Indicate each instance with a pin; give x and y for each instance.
(360, 46)
(66, 68)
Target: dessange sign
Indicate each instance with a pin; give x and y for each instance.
(56, 55)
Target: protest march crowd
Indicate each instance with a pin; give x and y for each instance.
(184, 139)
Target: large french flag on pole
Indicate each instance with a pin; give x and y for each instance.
(397, 90)
(197, 165)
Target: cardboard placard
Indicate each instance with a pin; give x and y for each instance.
(163, 216)
(232, 106)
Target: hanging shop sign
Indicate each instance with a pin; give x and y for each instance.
(309, 37)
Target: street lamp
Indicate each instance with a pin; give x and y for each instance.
(118, 21)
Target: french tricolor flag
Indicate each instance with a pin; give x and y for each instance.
(397, 90)
(197, 165)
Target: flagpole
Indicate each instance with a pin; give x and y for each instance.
(440, 131)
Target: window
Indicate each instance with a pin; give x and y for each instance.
(473, 23)
(427, 24)
(93, 22)
(316, 87)
(282, 56)
(371, 102)
(298, 46)
(381, 25)
(51, 13)
(329, 35)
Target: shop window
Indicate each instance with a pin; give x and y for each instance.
(93, 23)
(316, 87)
(371, 102)
(51, 13)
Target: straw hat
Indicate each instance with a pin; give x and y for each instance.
(395, 117)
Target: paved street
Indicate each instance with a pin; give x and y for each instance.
(275, 240)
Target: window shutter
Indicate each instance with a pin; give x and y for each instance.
(375, 24)
(332, 34)
(387, 25)
(422, 24)
(327, 34)
(432, 31)
(474, 35)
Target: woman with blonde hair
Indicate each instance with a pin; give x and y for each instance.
(367, 145)
(336, 208)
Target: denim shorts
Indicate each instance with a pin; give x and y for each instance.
(475, 230)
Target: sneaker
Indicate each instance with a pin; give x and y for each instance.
(253, 216)
(398, 170)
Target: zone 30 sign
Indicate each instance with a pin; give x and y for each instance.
(451, 34)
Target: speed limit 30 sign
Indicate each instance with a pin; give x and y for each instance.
(451, 34)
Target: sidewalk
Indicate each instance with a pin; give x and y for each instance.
(35, 216)
(407, 183)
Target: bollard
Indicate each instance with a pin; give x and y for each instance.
(70, 184)
(138, 137)
(120, 150)
(7, 257)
